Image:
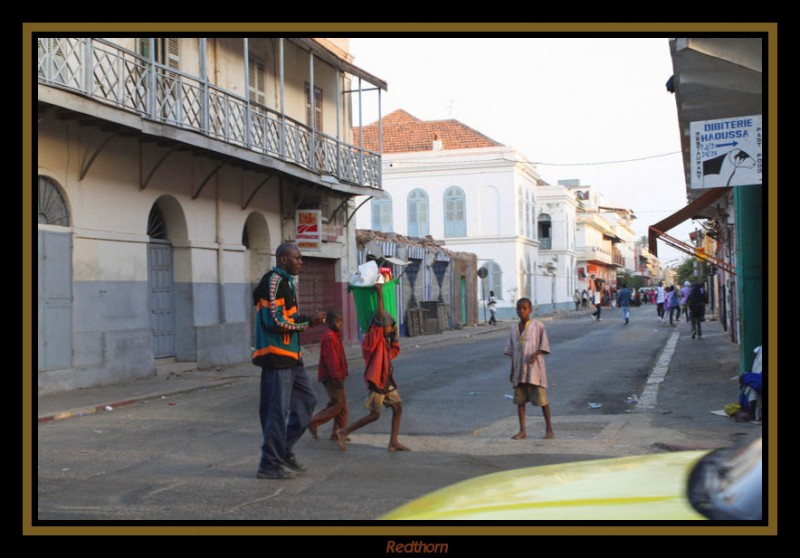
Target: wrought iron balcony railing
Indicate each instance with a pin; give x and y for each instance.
(114, 75)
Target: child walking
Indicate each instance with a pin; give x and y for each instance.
(527, 344)
(379, 347)
(332, 372)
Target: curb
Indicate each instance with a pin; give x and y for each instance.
(85, 411)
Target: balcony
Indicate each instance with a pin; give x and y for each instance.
(121, 78)
(617, 258)
(596, 254)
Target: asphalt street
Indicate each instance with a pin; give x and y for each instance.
(190, 454)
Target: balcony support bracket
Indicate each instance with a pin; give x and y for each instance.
(247, 198)
(145, 179)
(353, 214)
(206, 179)
(89, 159)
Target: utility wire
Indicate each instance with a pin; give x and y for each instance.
(543, 164)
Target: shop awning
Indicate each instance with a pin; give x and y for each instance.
(690, 211)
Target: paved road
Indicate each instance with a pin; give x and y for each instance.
(193, 456)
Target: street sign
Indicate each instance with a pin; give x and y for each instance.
(726, 152)
(308, 231)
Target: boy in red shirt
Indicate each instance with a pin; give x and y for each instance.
(379, 347)
(332, 372)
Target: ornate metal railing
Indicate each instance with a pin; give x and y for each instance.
(114, 75)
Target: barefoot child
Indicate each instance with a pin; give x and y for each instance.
(527, 344)
(379, 347)
(332, 372)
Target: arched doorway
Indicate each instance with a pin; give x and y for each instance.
(160, 278)
(257, 261)
(54, 298)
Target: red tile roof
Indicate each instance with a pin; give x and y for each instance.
(403, 133)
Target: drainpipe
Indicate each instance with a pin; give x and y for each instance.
(361, 137)
(339, 110)
(220, 254)
(380, 139)
(283, 108)
(151, 45)
(313, 100)
(204, 80)
(247, 123)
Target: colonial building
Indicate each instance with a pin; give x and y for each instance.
(446, 180)
(719, 79)
(169, 170)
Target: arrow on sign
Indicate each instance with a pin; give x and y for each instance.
(731, 144)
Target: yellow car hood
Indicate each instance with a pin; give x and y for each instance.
(648, 487)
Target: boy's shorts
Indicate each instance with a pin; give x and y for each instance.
(529, 393)
(377, 401)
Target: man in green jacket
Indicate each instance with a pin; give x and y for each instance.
(287, 396)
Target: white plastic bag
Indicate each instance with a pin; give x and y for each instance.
(366, 276)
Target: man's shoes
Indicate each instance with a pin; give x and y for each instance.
(279, 473)
(693, 334)
(292, 463)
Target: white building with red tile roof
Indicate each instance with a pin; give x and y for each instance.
(446, 180)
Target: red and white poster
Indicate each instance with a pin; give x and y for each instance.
(308, 234)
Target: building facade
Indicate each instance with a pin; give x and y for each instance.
(448, 181)
(606, 241)
(169, 170)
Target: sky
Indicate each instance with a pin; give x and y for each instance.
(593, 109)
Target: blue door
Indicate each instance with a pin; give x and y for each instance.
(162, 318)
(55, 300)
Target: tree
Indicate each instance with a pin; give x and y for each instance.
(633, 281)
(686, 270)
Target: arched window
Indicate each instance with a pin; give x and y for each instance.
(156, 225)
(382, 214)
(52, 207)
(545, 232)
(455, 212)
(418, 221)
(493, 280)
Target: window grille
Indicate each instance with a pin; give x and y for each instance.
(52, 206)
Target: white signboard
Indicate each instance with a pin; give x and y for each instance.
(726, 152)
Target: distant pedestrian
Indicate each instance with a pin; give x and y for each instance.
(597, 297)
(492, 304)
(332, 372)
(687, 288)
(624, 298)
(527, 344)
(697, 309)
(585, 298)
(660, 298)
(673, 304)
(576, 297)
